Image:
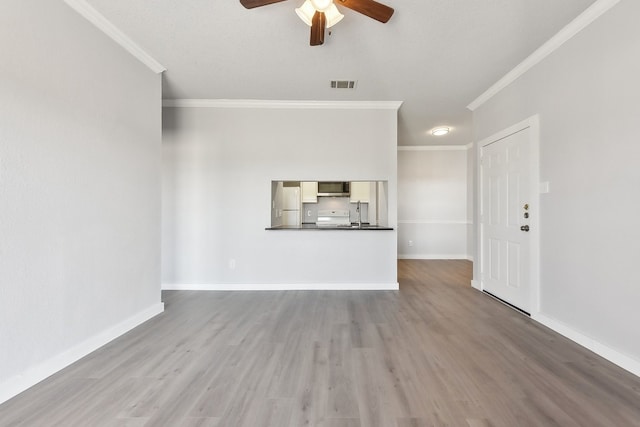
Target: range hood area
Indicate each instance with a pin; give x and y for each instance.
(334, 189)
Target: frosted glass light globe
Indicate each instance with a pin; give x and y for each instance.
(321, 5)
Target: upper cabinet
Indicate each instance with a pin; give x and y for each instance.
(360, 191)
(309, 191)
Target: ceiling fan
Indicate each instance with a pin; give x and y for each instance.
(321, 14)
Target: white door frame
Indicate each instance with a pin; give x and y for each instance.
(533, 123)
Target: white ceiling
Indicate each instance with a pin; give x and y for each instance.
(435, 55)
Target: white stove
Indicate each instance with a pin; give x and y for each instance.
(333, 218)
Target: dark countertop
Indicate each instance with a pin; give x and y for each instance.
(354, 226)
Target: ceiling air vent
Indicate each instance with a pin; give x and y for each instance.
(343, 84)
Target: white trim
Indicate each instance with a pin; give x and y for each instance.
(475, 284)
(528, 122)
(32, 376)
(426, 221)
(433, 147)
(470, 145)
(533, 124)
(281, 104)
(625, 362)
(434, 256)
(574, 27)
(280, 286)
(103, 24)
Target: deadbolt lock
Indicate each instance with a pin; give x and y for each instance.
(526, 206)
(526, 215)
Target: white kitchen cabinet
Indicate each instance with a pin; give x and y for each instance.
(309, 191)
(360, 191)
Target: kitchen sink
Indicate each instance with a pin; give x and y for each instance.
(363, 226)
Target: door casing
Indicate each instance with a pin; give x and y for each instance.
(533, 123)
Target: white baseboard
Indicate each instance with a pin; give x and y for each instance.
(625, 362)
(475, 284)
(280, 286)
(434, 256)
(32, 376)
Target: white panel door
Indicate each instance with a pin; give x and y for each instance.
(505, 219)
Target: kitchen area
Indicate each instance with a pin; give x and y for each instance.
(329, 205)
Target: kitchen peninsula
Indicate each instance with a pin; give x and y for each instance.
(329, 205)
(354, 227)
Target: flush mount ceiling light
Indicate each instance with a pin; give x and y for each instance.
(440, 131)
(321, 14)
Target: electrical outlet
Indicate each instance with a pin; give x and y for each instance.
(410, 242)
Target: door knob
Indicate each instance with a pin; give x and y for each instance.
(524, 228)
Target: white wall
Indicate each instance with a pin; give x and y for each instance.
(79, 190)
(218, 167)
(432, 202)
(587, 94)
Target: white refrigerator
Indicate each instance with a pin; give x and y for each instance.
(291, 206)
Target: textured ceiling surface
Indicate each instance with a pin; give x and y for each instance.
(434, 55)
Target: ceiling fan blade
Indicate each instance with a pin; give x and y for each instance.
(371, 8)
(250, 4)
(318, 23)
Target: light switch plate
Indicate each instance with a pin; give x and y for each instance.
(544, 187)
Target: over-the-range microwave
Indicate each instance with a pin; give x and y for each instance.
(333, 188)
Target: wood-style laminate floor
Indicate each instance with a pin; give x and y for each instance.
(436, 353)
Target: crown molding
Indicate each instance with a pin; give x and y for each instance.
(433, 147)
(271, 104)
(574, 27)
(103, 24)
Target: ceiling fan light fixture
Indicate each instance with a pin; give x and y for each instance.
(333, 15)
(322, 5)
(440, 131)
(323, 14)
(309, 8)
(306, 12)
